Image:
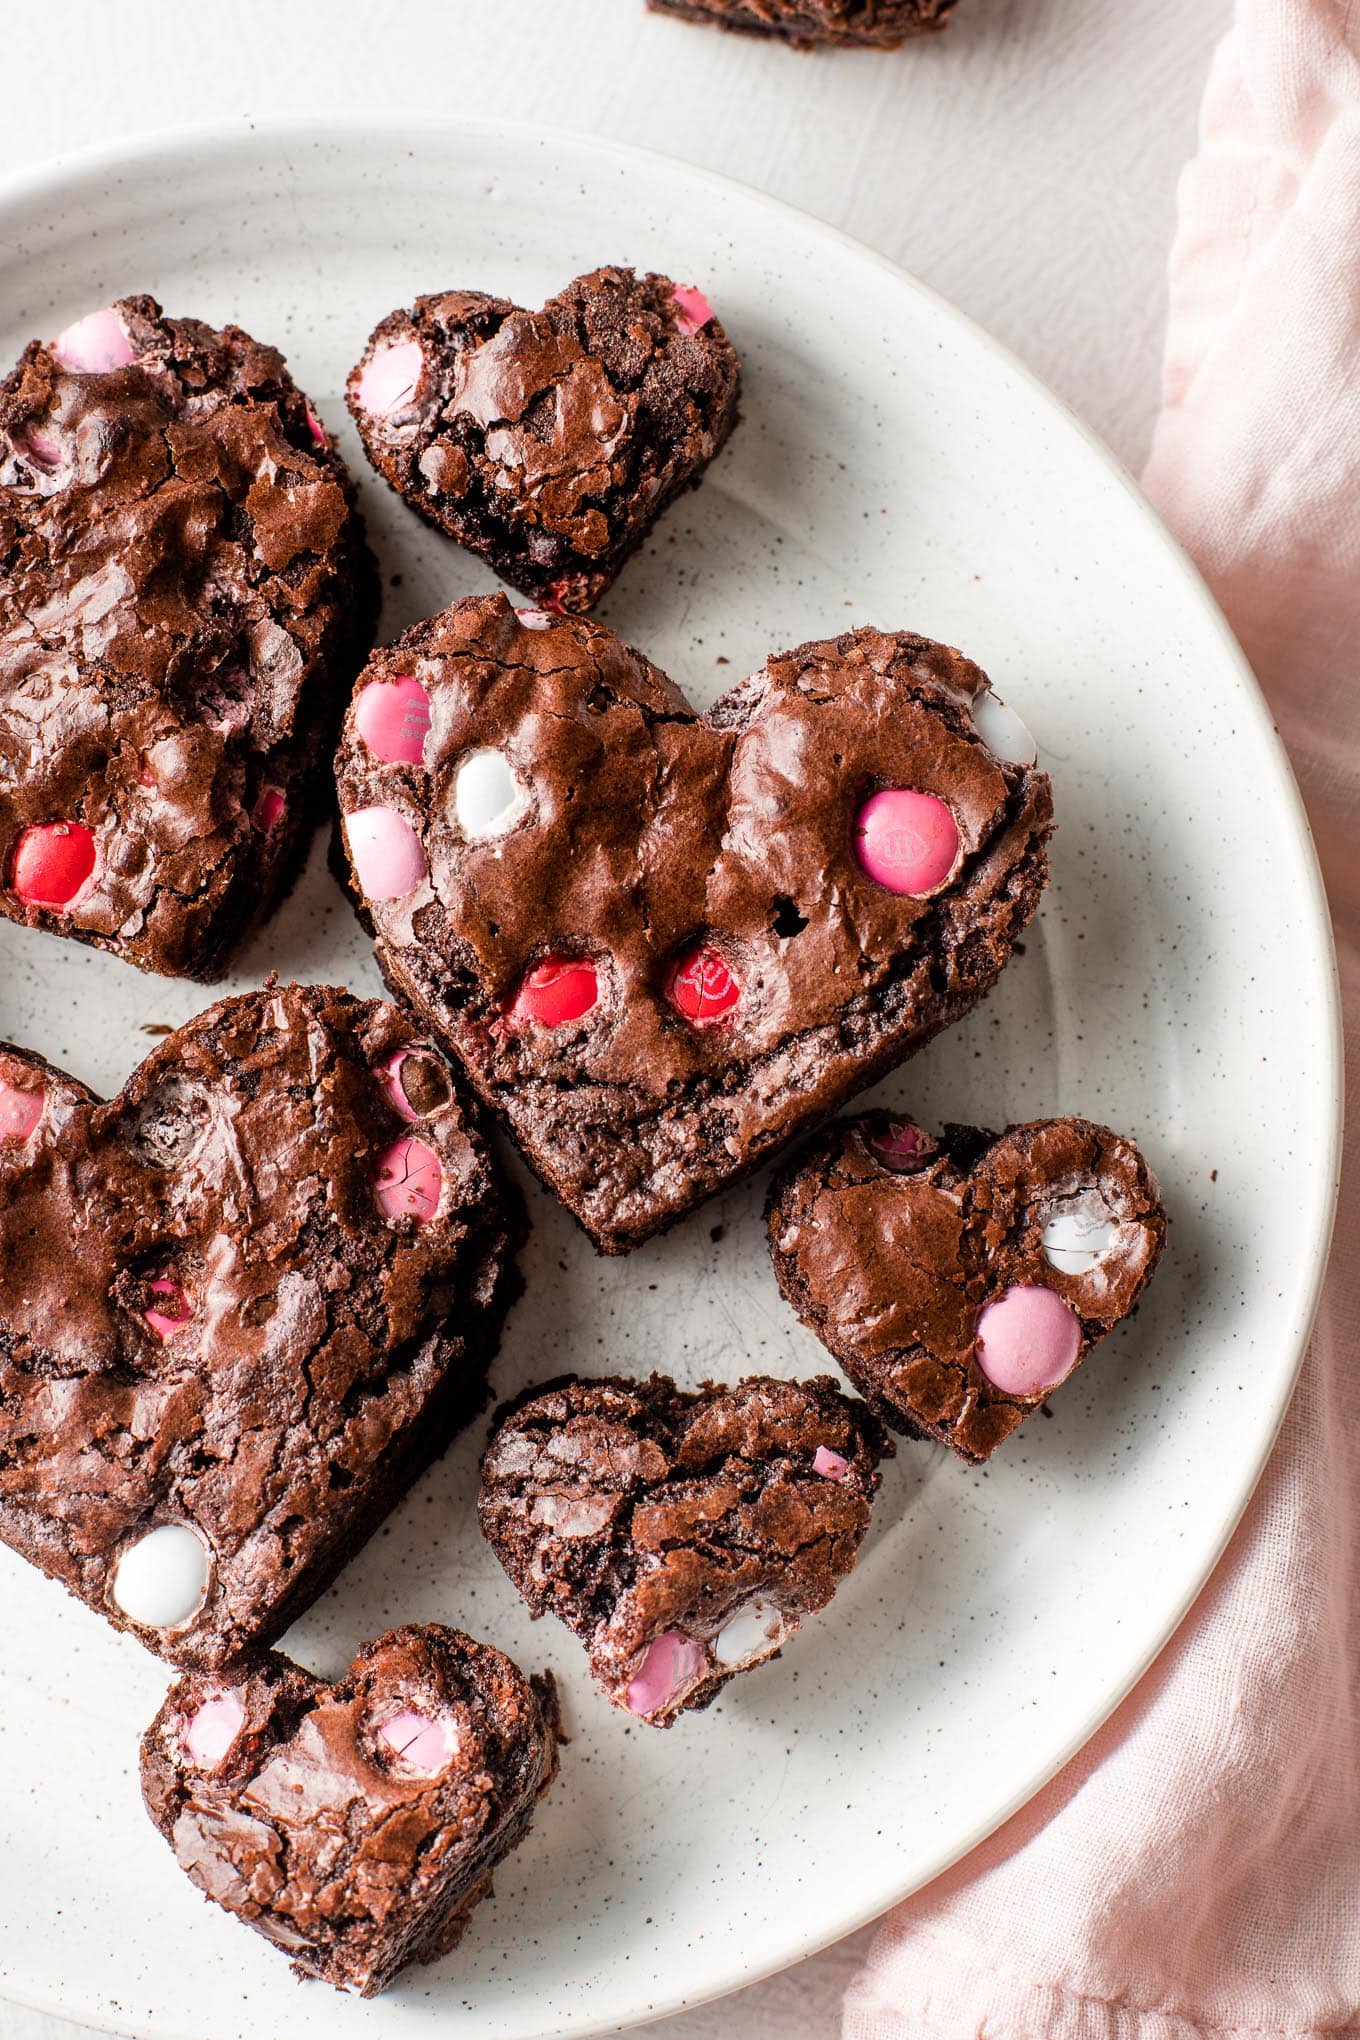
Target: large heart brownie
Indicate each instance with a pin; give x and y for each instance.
(959, 1280)
(185, 596)
(355, 1825)
(662, 943)
(870, 24)
(683, 1537)
(241, 1306)
(549, 442)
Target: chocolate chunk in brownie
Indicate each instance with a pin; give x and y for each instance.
(548, 442)
(959, 1280)
(683, 1537)
(871, 24)
(663, 944)
(242, 1305)
(354, 1825)
(185, 596)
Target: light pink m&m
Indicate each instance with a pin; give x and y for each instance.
(393, 718)
(906, 841)
(95, 344)
(387, 852)
(389, 1083)
(902, 1147)
(53, 864)
(673, 1661)
(407, 1179)
(703, 986)
(562, 989)
(165, 1318)
(1027, 1341)
(388, 383)
(421, 1744)
(212, 1729)
(831, 1465)
(692, 309)
(20, 1112)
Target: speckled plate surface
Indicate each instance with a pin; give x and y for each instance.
(894, 466)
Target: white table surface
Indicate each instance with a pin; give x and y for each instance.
(1024, 164)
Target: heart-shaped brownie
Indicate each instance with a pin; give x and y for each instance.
(683, 1537)
(185, 596)
(959, 1280)
(865, 24)
(662, 943)
(241, 1306)
(354, 1825)
(548, 442)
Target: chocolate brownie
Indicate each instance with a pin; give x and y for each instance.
(354, 1825)
(662, 943)
(873, 24)
(185, 597)
(241, 1306)
(958, 1280)
(548, 442)
(683, 1537)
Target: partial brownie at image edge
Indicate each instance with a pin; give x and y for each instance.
(808, 24)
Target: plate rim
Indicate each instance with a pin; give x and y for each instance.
(60, 175)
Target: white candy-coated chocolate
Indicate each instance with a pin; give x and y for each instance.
(753, 1633)
(487, 798)
(1079, 1233)
(160, 1581)
(1002, 731)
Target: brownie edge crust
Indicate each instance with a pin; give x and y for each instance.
(846, 24)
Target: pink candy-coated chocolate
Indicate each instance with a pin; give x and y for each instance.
(422, 1744)
(315, 427)
(673, 1661)
(393, 718)
(831, 1465)
(535, 619)
(562, 989)
(389, 382)
(40, 449)
(269, 809)
(906, 841)
(693, 311)
(20, 1112)
(387, 852)
(212, 1729)
(166, 1321)
(902, 1147)
(95, 344)
(389, 1083)
(703, 986)
(53, 864)
(407, 1179)
(1027, 1341)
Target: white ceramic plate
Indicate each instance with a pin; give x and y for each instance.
(893, 466)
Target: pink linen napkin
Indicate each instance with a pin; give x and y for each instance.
(1197, 1870)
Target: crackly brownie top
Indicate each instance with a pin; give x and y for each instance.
(549, 440)
(589, 886)
(880, 24)
(681, 1535)
(222, 1296)
(960, 1279)
(180, 568)
(345, 1821)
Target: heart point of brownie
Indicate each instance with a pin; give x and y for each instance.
(960, 1279)
(241, 1306)
(664, 944)
(185, 595)
(548, 442)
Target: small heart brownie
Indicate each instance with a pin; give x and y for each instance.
(662, 943)
(683, 1537)
(185, 596)
(872, 24)
(959, 1280)
(549, 442)
(241, 1306)
(354, 1825)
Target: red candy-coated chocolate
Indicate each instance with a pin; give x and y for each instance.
(53, 863)
(562, 989)
(902, 1147)
(703, 987)
(270, 809)
(165, 1319)
(20, 1112)
(407, 1179)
